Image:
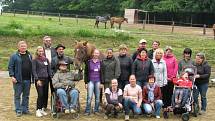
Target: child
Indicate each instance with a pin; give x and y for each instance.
(183, 85)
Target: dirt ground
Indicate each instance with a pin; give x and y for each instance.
(7, 113)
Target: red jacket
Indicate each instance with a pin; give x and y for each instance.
(157, 94)
(182, 82)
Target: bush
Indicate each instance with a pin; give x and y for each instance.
(14, 25)
(84, 33)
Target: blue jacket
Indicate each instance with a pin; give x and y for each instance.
(15, 66)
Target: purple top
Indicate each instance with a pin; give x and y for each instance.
(94, 71)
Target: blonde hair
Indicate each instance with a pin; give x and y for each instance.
(36, 53)
(46, 37)
(159, 50)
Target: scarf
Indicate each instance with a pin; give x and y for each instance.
(151, 92)
(42, 58)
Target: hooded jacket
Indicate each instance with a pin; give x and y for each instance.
(172, 66)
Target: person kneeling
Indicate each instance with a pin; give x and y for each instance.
(132, 97)
(114, 99)
(152, 102)
(63, 82)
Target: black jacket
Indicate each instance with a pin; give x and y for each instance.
(204, 70)
(142, 69)
(125, 67)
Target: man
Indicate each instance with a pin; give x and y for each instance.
(20, 71)
(142, 45)
(50, 53)
(63, 82)
(155, 45)
(60, 57)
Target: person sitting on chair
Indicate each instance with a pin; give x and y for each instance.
(114, 97)
(63, 82)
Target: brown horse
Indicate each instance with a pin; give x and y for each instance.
(118, 20)
(214, 30)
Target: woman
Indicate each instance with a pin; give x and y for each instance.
(202, 80)
(186, 61)
(172, 68)
(42, 73)
(92, 81)
(152, 102)
(142, 68)
(125, 66)
(132, 97)
(114, 98)
(159, 68)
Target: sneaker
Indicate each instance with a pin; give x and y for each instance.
(97, 113)
(202, 112)
(43, 112)
(165, 115)
(26, 112)
(38, 113)
(158, 117)
(66, 111)
(106, 117)
(72, 111)
(126, 117)
(86, 114)
(18, 114)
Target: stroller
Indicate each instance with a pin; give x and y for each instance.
(186, 105)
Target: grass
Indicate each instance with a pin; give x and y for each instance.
(33, 28)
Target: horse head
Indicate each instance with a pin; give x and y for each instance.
(125, 19)
(83, 52)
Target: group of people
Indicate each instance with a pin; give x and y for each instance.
(143, 82)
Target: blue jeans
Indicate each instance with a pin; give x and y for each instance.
(64, 98)
(22, 88)
(202, 90)
(93, 87)
(157, 105)
(128, 104)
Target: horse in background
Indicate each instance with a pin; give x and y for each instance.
(214, 30)
(102, 19)
(118, 20)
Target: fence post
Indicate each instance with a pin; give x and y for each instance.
(14, 12)
(76, 16)
(191, 21)
(173, 25)
(28, 13)
(43, 15)
(59, 17)
(154, 19)
(204, 29)
(144, 24)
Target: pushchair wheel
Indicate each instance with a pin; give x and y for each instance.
(55, 115)
(185, 117)
(195, 110)
(75, 116)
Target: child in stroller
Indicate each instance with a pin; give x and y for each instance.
(182, 90)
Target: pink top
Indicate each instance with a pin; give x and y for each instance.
(133, 93)
(172, 66)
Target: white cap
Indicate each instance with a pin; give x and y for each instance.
(142, 41)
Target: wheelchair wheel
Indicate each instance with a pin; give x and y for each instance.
(185, 117)
(53, 106)
(75, 116)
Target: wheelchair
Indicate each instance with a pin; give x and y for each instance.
(57, 108)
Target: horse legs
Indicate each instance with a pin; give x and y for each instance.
(119, 26)
(96, 24)
(214, 33)
(105, 24)
(111, 24)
